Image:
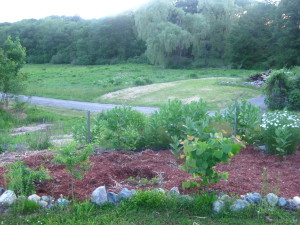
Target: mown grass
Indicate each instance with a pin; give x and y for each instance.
(217, 96)
(88, 83)
(145, 208)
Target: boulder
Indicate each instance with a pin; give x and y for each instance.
(43, 204)
(99, 195)
(239, 205)
(125, 193)
(160, 190)
(174, 191)
(281, 202)
(34, 198)
(296, 200)
(8, 198)
(62, 201)
(2, 190)
(253, 197)
(218, 206)
(272, 199)
(224, 198)
(113, 198)
(45, 198)
(291, 205)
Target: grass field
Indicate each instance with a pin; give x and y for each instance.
(89, 83)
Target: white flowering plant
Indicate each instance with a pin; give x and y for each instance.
(281, 132)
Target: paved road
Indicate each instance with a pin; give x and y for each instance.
(97, 107)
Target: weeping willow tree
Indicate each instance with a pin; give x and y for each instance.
(159, 24)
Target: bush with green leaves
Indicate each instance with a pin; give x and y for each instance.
(248, 119)
(76, 159)
(294, 92)
(281, 131)
(21, 178)
(39, 140)
(119, 128)
(202, 156)
(177, 119)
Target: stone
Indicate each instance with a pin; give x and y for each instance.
(296, 200)
(2, 190)
(8, 198)
(281, 202)
(174, 191)
(99, 195)
(253, 197)
(186, 198)
(113, 198)
(62, 201)
(272, 199)
(125, 193)
(240, 205)
(43, 204)
(160, 190)
(50, 206)
(45, 198)
(291, 205)
(218, 206)
(34, 198)
(224, 198)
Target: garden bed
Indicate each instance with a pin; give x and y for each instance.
(113, 169)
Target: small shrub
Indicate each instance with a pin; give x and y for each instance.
(39, 140)
(20, 178)
(281, 132)
(294, 99)
(202, 156)
(142, 81)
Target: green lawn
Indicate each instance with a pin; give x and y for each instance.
(217, 96)
(88, 83)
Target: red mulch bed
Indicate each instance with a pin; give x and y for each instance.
(112, 169)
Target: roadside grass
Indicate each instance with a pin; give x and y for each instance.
(88, 83)
(217, 96)
(149, 209)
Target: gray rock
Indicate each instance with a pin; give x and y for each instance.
(224, 198)
(281, 202)
(8, 198)
(291, 205)
(113, 198)
(186, 198)
(45, 198)
(240, 205)
(272, 199)
(99, 195)
(34, 198)
(160, 190)
(174, 191)
(253, 197)
(125, 193)
(2, 190)
(63, 202)
(218, 206)
(296, 200)
(43, 204)
(50, 206)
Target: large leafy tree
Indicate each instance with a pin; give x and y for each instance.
(12, 57)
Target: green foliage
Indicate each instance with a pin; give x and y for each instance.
(276, 90)
(281, 132)
(248, 118)
(177, 119)
(202, 156)
(24, 206)
(20, 178)
(39, 140)
(176, 145)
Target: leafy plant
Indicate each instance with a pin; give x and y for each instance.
(76, 160)
(202, 156)
(21, 179)
(23, 206)
(281, 132)
(39, 140)
(176, 146)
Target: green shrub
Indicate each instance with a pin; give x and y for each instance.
(276, 90)
(202, 156)
(142, 81)
(248, 120)
(39, 140)
(23, 206)
(177, 119)
(281, 131)
(294, 99)
(20, 178)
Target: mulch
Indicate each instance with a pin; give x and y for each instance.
(113, 169)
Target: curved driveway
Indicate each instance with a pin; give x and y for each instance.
(98, 107)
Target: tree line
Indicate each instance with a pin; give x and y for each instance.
(170, 33)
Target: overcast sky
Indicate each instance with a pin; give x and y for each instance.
(15, 10)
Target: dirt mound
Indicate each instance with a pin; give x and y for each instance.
(113, 169)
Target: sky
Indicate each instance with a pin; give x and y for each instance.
(16, 10)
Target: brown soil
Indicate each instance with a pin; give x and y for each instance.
(114, 168)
